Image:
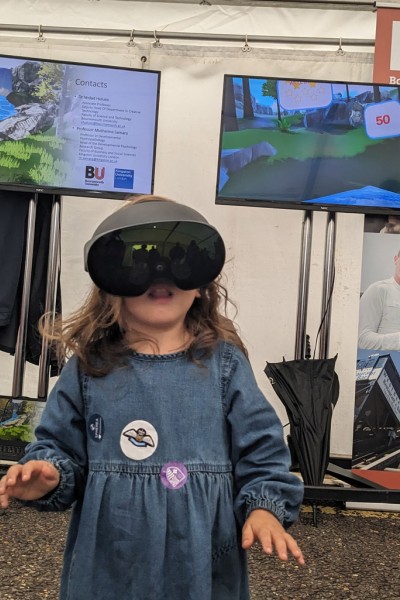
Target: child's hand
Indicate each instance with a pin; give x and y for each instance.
(30, 481)
(263, 526)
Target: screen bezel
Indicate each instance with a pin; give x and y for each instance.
(289, 204)
(72, 191)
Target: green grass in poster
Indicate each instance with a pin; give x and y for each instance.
(17, 419)
(36, 160)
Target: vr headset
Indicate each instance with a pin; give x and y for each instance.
(154, 240)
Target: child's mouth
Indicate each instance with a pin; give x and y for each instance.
(160, 292)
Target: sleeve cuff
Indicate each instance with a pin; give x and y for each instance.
(265, 504)
(62, 497)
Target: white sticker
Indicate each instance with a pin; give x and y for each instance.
(382, 120)
(138, 440)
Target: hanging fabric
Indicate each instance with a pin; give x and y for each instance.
(13, 222)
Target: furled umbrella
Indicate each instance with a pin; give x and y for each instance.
(309, 390)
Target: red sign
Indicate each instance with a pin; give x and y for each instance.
(387, 46)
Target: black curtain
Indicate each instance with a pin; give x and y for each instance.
(14, 208)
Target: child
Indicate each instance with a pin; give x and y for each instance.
(156, 432)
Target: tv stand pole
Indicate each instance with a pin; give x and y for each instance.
(53, 266)
(304, 277)
(19, 356)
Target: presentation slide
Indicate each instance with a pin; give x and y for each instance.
(78, 127)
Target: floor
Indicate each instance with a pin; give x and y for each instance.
(349, 555)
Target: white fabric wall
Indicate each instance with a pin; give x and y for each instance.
(263, 244)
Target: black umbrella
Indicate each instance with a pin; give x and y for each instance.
(309, 390)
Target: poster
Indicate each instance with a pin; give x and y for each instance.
(376, 435)
(387, 46)
(18, 421)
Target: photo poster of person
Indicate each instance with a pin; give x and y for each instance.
(376, 433)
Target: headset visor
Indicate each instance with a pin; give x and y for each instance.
(126, 261)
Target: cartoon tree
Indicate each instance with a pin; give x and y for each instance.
(230, 119)
(5, 409)
(269, 89)
(50, 77)
(248, 112)
(22, 408)
(377, 93)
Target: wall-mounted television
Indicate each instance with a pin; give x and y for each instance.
(311, 145)
(78, 129)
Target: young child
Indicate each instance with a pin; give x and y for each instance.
(156, 432)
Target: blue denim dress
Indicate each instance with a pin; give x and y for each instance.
(162, 461)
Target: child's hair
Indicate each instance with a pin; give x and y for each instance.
(95, 332)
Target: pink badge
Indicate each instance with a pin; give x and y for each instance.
(173, 475)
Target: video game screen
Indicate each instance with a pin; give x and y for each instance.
(318, 145)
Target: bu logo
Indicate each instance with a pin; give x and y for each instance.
(94, 172)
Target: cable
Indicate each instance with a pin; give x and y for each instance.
(328, 303)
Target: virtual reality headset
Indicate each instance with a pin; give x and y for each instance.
(148, 241)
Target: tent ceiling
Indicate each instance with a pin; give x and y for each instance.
(190, 12)
(329, 4)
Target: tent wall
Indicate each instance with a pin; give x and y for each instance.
(263, 245)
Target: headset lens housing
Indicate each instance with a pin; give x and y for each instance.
(127, 260)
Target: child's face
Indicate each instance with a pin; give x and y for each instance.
(162, 306)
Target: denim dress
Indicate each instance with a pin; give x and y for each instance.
(162, 461)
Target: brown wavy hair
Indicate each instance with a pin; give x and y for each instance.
(95, 331)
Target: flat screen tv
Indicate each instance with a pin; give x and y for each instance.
(311, 145)
(78, 129)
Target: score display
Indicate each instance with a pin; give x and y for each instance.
(382, 119)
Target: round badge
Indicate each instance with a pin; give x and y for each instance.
(173, 475)
(138, 440)
(96, 427)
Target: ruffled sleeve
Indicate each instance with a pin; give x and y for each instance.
(260, 456)
(61, 440)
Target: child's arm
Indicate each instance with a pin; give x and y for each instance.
(260, 456)
(61, 441)
(261, 525)
(30, 481)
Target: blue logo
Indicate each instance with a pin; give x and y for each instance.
(124, 178)
(96, 427)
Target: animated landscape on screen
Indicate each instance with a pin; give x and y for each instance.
(308, 142)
